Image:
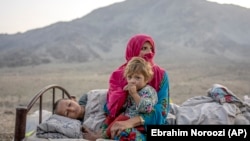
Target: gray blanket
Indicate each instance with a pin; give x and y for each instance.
(219, 106)
(94, 112)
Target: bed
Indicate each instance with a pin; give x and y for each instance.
(23, 110)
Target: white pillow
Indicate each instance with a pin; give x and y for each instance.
(57, 126)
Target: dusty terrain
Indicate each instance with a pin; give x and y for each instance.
(18, 85)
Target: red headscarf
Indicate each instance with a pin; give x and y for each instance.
(116, 96)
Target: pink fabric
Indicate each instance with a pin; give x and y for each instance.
(116, 97)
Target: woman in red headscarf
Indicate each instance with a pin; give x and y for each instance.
(141, 45)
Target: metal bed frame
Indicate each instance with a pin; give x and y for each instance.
(22, 111)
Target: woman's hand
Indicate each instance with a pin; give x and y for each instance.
(119, 126)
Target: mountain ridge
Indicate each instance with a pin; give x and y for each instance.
(187, 29)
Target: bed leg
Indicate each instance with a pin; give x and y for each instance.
(20, 126)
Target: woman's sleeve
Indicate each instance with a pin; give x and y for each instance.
(159, 113)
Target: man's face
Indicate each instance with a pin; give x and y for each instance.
(69, 108)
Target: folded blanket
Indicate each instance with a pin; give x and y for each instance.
(57, 126)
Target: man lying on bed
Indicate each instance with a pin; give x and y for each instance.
(69, 116)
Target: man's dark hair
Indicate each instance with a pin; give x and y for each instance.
(56, 103)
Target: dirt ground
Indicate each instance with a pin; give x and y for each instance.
(7, 125)
(18, 85)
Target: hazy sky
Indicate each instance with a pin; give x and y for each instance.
(22, 15)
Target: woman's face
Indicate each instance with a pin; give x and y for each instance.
(69, 108)
(146, 49)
